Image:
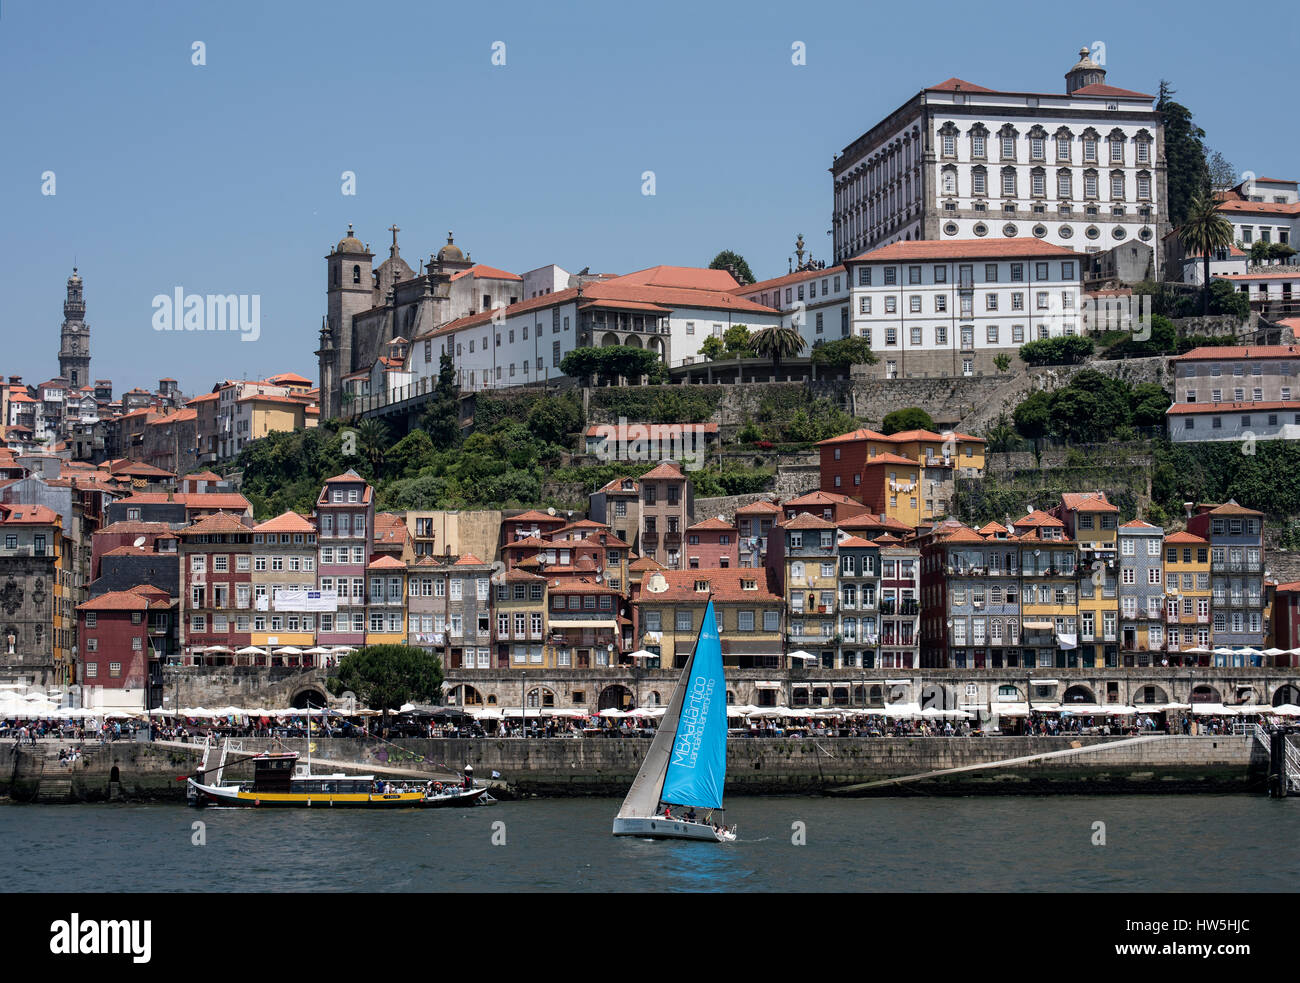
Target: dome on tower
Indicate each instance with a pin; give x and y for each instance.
(1085, 61)
(450, 253)
(74, 278)
(349, 243)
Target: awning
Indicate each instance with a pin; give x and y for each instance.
(1044, 682)
(1037, 625)
(583, 624)
(767, 685)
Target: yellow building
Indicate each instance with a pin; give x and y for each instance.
(1050, 629)
(1187, 596)
(284, 567)
(809, 558)
(1092, 522)
(670, 609)
(960, 451)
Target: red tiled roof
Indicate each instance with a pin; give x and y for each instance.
(1101, 89)
(1227, 352)
(1087, 502)
(821, 498)
(218, 522)
(991, 527)
(1039, 518)
(712, 525)
(1186, 537)
(762, 505)
(1232, 508)
(482, 272)
(288, 521)
(118, 600)
(856, 435)
(667, 469)
(1137, 524)
(890, 459)
(963, 535)
(25, 515)
(468, 560)
(854, 541)
(386, 562)
(955, 84)
(723, 582)
(533, 515)
(1202, 408)
(962, 249)
(804, 520)
(789, 278)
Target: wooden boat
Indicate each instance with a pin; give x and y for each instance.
(686, 766)
(279, 781)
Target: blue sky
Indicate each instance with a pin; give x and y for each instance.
(225, 178)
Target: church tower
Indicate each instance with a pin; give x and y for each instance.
(351, 291)
(74, 341)
(1085, 72)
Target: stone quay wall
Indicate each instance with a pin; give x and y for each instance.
(778, 766)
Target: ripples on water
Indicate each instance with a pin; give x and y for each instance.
(1153, 843)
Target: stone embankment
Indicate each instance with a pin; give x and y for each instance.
(774, 766)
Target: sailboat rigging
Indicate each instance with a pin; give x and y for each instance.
(686, 766)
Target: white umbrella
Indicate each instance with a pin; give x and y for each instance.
(741, 709)
(902, 710)
(215, 648)
(288, 650)
(317, 650)
(1274, 652)
(642, 654)
(612, 712)
(801, 654)
(343, 649)
(1287, 710)
(250, 650)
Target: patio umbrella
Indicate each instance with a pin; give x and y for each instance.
(288, 650)
(317, 650)
(1287, 710)
(642, 654)
(801, 654)
(216, 648)
(250, 650)
(612, 713)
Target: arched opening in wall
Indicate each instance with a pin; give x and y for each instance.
(1286, 694)
(821, 696)
(541, 697)
(1007, 693)
(608, 339)
(115, 775)
(1246, 694)
(799, 696)
(614, 697)
(1079, 694)
(1206, 694)
(876, 696)
(938, 697)
(839, 695)
(1147, 695)
(308, 697)
(731, 698)
(633, 341)
(466, 696)
(492, 699)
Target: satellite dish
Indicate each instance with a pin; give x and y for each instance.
(551, 510)
(656, 583)
(140, 541)
(1036, 552)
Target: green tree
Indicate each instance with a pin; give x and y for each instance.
(441, 417)
(1066, 350)
(581, 364)
(843, 353)
(912, 418)
(554, 418)
(777, 343)
(1186, 170)
(713, 348)
(1033, 416)
(1205, 231)
(385, 676)
(372, 442)
(735, 264)
(1222, 174)
(1002, 360)
(738, 341)
(1149, 404)
(410, 455)
(1001, 436)
(1261, 252)
(1226, 299)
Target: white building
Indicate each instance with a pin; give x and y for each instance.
(1236, 392)
(1223, 262)
(1262, 210)
(950, 307)
(1083, 169)
(814, 302)
(667, 309)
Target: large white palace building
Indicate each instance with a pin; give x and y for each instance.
(1084, 169)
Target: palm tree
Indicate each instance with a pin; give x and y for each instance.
(372, 435)
(1205, 231)
(776, 343)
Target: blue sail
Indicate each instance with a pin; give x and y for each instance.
(697, 768)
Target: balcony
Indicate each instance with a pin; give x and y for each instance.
(815, 638)
(1236, 566)
(888, 607)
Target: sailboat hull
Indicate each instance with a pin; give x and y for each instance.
(658, 828)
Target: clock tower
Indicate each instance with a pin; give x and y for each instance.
(74, 342)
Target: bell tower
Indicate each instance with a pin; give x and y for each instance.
(74, 339)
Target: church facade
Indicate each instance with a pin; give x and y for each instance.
(370, 307)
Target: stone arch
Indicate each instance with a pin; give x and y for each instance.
(466, 696)
(1078, 693)
(1290, 693)
(608, 339)
(731, 698)
(633, 341)
(1148, 694)
(655, 700)
(1205, 693)
(1009, 693)
(615, 697)
(541, 696)
(115, 775)
(313, 694)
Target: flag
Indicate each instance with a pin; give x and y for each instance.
(496, 774)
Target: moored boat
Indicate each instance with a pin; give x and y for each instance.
(280, 781)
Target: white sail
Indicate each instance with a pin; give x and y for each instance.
(643, 797)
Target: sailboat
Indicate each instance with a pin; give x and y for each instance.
(686, 765)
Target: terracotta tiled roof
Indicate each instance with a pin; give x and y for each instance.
(645, 563)
(1203, 408)
(385, 563)
(854, 542)
(890, 459)
(1101, 89)
(469, 560)
(219, 522)
(390, 529)
(25, 515)
(1186, 537)
(1137, 524)
(665, 470)
(1038, 518)
(712, 525)
(762, 505)
(616, 486)
(534, 516)
(1232, 508)
(289, 521)
(963, 535)
(482, 272)
(1087, 502)
(955, 84)
(806, 521)
(821, 498)
(856, 435)
(991, 527)
(923, 249)
(1228, 352)
(776, 283)
(118, 600)
(724, 583)
(133, 527)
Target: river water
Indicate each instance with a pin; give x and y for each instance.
(1210, 843)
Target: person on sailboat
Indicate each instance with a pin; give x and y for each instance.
(668, 811)
(690, 815)
(469, 777)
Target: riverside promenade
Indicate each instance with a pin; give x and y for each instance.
(131, 771)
